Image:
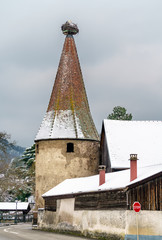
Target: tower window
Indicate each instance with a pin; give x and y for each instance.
(70, 147)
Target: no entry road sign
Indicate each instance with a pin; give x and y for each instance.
(136, 206)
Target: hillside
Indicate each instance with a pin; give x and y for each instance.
(11, 151)
(15, 151)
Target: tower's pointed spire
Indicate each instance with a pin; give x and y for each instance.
(68, 114)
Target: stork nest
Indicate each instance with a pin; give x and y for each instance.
(69, 28)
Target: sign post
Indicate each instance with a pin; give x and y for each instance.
(137, 208)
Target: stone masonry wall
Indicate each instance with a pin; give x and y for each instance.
(88, 223)
(54, 164)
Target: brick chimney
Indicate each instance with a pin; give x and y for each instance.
(101, 169)
(133, 166)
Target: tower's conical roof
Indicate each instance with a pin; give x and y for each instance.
(68, 114)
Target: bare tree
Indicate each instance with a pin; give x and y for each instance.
(5, 145)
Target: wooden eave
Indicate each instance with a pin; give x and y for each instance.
(72, 195)
(145, 180)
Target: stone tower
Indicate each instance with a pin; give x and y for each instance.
(67, 143)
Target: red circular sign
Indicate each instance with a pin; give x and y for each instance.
(136, 206)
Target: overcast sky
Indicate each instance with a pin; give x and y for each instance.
(119, 47)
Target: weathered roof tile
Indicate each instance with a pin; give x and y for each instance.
(68, 114)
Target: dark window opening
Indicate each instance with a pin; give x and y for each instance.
(70, 147)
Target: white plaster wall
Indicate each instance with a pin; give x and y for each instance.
(118, 222)
(65, 210)
(65, 218)
(149, 223)
(65, 205)
(111, 222)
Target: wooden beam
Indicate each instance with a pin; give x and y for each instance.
(160, 193)
(149, 197)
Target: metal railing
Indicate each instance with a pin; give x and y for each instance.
(15, 218)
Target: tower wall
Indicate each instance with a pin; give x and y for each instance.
(54, 164)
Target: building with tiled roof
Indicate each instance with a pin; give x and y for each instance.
(67, 143)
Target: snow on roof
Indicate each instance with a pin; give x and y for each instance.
(64, 125)
(113, 180)
(143, 138)
(11, 206)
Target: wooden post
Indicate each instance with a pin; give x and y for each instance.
(149, 197)
(156, 196)
(127, 196)
(160, 194)
(138, 194)
(130, 199)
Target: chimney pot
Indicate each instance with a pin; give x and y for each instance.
(133, 166)
(102, 169)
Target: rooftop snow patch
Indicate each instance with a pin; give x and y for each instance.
(143, 138)
(64, 124)
(11, 206)
(114, 180)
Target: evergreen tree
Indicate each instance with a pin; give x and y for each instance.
(26, 173)
(119, 113)
(17, 178)
(28, 156)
